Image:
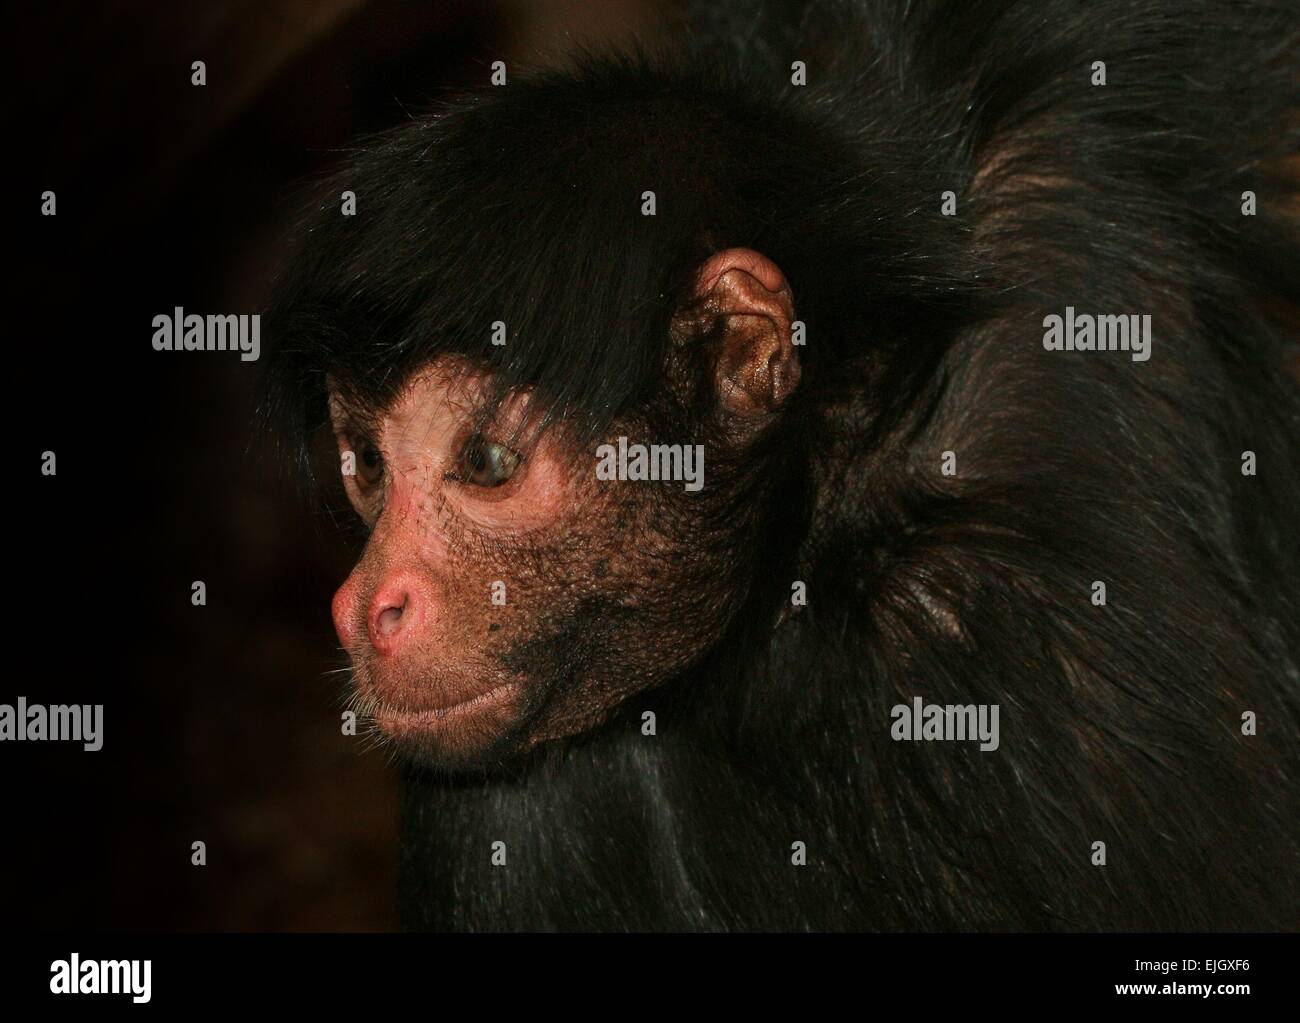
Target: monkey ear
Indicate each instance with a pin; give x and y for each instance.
(756, 367)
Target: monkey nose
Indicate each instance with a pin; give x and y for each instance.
(393, 615)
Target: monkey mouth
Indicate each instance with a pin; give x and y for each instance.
(402, 722)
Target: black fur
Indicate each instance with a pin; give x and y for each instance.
(1120, 723)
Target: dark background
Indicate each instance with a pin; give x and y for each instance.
(220, 722)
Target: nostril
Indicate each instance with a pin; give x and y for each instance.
(392, 617)
(389, 620)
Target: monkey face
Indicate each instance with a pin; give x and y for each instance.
(506, 596)
(511, 592)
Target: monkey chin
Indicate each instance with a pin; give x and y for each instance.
(488, 728)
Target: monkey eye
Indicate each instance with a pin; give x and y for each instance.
(370, 462)
(485, 463)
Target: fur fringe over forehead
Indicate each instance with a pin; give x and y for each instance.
(522, 205)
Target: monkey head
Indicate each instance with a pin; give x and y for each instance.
(507, 595)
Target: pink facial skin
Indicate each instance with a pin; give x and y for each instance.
(414, 614)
